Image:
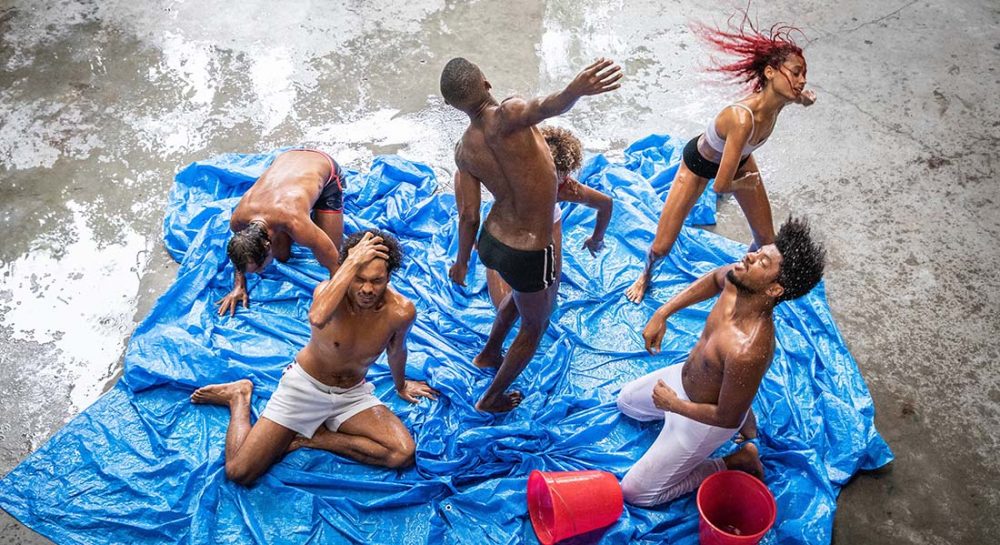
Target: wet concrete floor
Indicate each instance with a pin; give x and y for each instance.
(102, 102)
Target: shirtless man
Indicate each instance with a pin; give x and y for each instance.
(567, 154)
(275, 211)
(704, 401)
(323, 395)
(503, 149)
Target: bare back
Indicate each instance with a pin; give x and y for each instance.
(285, 191)
(340, 353)
(725, 342)
(515, 165)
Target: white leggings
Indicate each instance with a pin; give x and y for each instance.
(677, 461)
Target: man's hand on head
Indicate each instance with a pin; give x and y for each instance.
(412, 389)
(370, 247)
(600, 77)
(458, 272)
(232, 300)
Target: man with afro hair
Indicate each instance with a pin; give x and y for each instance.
(706, 399)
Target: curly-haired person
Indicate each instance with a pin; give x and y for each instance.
(771, 65)
(705, 400)
(567, 154)
(322, 400)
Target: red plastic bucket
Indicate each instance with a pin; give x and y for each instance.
(735, 509)
(563, 504)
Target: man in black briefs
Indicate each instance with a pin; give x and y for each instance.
(276, 210)
(503, 149)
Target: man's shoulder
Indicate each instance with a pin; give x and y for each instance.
(401, 309)
(754, 351)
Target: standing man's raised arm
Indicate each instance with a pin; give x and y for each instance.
(600, 77)
(468, 196)
(706, 287)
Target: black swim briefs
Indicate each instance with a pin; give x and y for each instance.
(331, 198)
(698, 164)
(526, 271)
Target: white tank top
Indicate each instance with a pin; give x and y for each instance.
(718, 143)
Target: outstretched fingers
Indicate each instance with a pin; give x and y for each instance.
(598, 65)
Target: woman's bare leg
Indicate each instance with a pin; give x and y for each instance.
(757, 208)
(684, 192)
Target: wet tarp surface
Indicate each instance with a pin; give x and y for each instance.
(143, 465)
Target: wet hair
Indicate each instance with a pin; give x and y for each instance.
(460, 82)
(802, 259)
(388, 240)
(567, 151)
(754, 49)
(247, 246)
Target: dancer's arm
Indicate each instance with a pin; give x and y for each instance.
(737, 124)
(468, 196)
(600, 77)
(308, 234)
(409, 390)
(574, 191)
(706, 287)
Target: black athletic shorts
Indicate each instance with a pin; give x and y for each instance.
(698, 164)
(526, 271)
(331, 198)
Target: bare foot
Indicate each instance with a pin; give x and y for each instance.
(488, 361)
(507, 402)
(637, 290)
(223, 394)
(747, 460)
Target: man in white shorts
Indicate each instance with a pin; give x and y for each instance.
(323, 396)
(706, 400)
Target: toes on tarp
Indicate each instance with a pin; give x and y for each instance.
(145, 465)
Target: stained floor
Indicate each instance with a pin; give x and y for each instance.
(102, 102)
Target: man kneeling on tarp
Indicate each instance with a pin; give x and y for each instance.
(323, 395)
(704, 401)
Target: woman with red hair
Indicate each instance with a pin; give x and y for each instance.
(774, 69)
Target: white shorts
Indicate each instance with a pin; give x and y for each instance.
(678, 460)
(301, 403)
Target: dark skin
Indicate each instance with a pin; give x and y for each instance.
(784, 85)
(281, 200)
(504, 150)
(570, 190)
(355, 316)
(724, 370)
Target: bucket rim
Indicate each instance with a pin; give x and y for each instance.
(757, 483)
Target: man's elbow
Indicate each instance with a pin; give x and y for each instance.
(607, 205)
(726, 420)
(318, 319)
(469, 218)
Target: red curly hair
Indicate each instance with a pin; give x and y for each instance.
(755, 50)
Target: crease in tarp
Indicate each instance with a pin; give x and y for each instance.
(144, 465)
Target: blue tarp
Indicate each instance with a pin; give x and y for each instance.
(143, 465)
